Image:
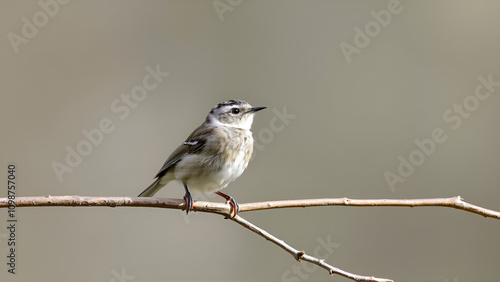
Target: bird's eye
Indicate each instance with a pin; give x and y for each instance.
(235, 111)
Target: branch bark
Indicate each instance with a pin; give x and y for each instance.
(223, 209)
(453, 202)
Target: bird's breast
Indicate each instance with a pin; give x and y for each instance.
(223, 159)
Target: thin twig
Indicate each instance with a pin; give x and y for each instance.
(301, 255)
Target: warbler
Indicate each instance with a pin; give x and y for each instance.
(214, 154)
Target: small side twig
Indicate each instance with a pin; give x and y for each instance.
(301, 255)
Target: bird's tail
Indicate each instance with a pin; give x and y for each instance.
(152, 189)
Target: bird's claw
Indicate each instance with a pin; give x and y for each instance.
(189, 202)
(235, 208)
(234, 205)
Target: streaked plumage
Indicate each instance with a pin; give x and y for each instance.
(214, 154)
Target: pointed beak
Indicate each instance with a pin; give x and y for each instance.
(256, 109)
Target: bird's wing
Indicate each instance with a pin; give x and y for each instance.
(193, 144)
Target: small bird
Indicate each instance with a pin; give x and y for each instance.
(214, 154)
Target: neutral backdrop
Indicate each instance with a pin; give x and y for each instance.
(350, 119)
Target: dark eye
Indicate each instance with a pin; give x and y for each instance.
(235, 111)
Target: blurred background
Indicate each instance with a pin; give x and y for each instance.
(351, 88)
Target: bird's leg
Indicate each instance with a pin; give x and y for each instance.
(230, 200)
(188, 199)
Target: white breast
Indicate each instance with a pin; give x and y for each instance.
(198, 171)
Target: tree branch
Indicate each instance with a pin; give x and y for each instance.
(219, 208)
(453, 202)
(223, 209)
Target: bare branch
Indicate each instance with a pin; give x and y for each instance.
(84, 201)
(223, 209)
(453, 202)
(219, 208)
(301, 255)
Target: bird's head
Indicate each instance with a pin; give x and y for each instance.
(233, 113)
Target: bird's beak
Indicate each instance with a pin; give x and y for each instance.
(256, 109)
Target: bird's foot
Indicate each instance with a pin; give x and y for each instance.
(189, 202)
(230, 200)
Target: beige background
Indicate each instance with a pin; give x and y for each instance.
(352, 122)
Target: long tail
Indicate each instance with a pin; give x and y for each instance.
(152, 189)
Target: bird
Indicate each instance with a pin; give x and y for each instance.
(215, 154)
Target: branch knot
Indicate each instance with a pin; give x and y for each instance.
(298, 255)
